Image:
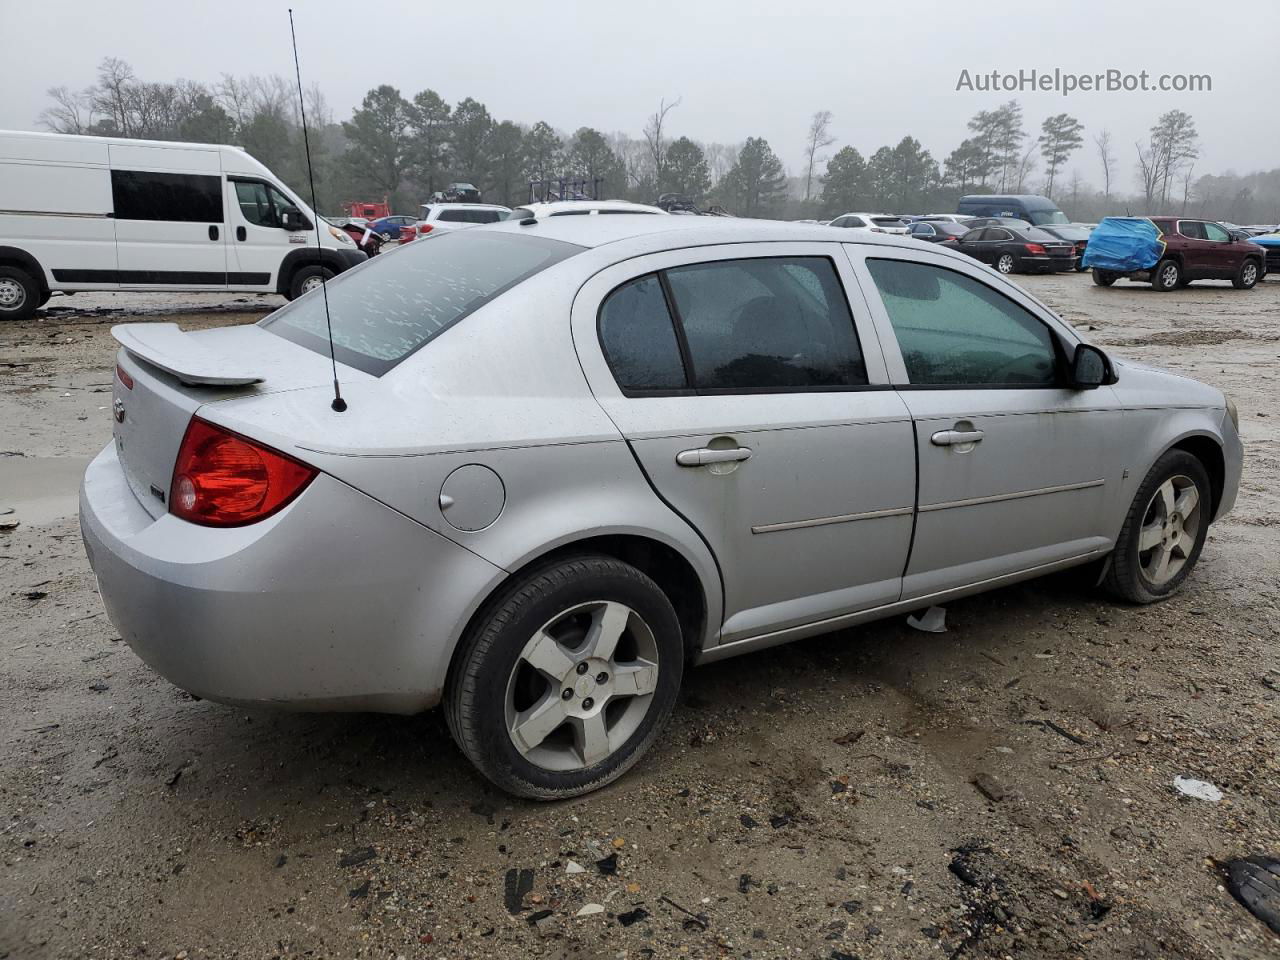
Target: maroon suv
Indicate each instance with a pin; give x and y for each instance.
(1197, 250)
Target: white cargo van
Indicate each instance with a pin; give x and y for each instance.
(97, 213)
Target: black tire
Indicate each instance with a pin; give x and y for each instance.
(44, 297)
(1248, 276)
(305, 277)
(19, 294)
(1126, 578)
(1102, 278)
(475, 697)
(1166, 276)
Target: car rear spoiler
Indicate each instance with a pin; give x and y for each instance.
(165, 346)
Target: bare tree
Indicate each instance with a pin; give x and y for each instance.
(1186, 186)
(72, 110)
(1025, 167)
(656, 140)
(1103, 142)
(112, 94)
(818, 138)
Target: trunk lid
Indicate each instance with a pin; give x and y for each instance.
(174, 373)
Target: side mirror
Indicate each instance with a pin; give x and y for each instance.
(1090, 368)
(292, 219)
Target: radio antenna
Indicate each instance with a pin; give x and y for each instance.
(338, 403)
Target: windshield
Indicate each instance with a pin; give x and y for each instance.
(398, 302)
(1047, 217)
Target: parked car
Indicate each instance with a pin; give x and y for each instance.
(1036, 210)
(950, 217)
(1185, 250)
(1270, 244)
(453, 216)
(936, 231)
(1074, 234)
(389, 227)
(368, 241)
(1018, 249)
(872, 222)
(570, 208)
(462, 193)
(100, 213)
(582, 453)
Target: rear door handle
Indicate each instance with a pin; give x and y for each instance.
(213, 232)
(949, 438)
(705, 455)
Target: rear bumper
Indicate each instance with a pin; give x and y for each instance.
(335, 603)
(1047, 264)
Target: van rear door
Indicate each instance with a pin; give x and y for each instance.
(170, 223)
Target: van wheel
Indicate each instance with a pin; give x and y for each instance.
(567, 679)
(19, 294)
(1247, 278)
(306, 279)
(1163, 531)
(1166, 276)
(1102, 278)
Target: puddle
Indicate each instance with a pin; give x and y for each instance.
(41, 489)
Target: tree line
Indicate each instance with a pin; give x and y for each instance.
(407, 147)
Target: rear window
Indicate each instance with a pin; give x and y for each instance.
(470, 216)
(886, 221)
(397, 303)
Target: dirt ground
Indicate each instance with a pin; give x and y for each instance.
(814, 801)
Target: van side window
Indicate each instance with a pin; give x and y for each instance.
(175, 197)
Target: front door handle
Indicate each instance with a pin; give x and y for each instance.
(705, 455)
(951, 438)
(213, 232)
(240, 233)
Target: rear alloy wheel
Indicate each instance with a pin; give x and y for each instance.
(306, 279)
(568, 679)
(1102, 278)
(19, 295)
(1166, 276)
(1005, 263)
(1247, 278)
(1164, 530)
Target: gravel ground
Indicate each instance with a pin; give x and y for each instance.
(1000, 790)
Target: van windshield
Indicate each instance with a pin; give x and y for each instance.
(385, 309)
(1047, 217)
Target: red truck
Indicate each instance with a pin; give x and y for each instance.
(367, 210)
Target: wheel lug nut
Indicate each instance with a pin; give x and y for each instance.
(582, 668)
(566, 694)
(602, 678)
(588, 703)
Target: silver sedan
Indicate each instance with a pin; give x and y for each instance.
(576, 455)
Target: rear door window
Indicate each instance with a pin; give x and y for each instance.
(396, 304)
(774, 324)
(171, 197)
(639, 338)
(1192, 229)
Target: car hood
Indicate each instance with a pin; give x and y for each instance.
(1142, 386)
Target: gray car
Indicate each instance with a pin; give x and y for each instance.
(579, 454)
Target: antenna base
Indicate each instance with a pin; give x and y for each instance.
(338, 405)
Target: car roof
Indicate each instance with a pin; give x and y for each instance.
(651, 234)
(466, 206)
(547, 208)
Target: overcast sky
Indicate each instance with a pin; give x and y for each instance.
(742, 68)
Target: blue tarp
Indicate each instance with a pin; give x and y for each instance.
(1123, 244)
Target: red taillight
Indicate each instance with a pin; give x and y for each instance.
(426, 228)
(222, 479)
(1036, 249)
(124, 377)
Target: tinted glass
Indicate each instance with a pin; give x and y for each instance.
(1045, 217)
(394, 304)
(470, 216)
(255, 204)
(180, 197)
(767, 324)
(1192, 228)
(638, 337)
(954, 330)
(886, 221)
(1214, 232)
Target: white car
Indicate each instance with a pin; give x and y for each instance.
(569, 208)
(453, 216)
(100, 213)
(946, 217)
(875, 222)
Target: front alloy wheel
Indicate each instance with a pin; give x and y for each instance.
(566, 678)
(1164, 530)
